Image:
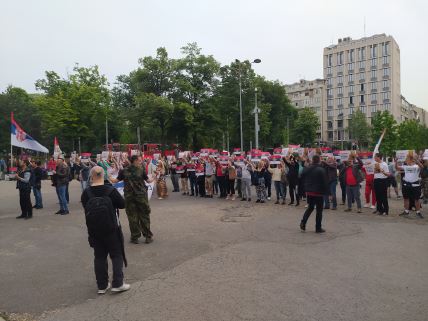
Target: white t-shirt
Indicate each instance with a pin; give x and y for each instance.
(411, 173)
(383, 166)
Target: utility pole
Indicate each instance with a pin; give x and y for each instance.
(80, 149)
(240, 109)
(139, 139)
(106, 133)
(227, 133)
(256, 119)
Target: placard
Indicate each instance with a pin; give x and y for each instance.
(402, 155)
(104, 155)
(344, 155)
(425, 155)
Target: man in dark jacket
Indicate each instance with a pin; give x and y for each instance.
(62, 177)
(331, 168)
(316, 186)
(36, 178)
(106, 244)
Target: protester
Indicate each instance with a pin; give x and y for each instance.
(354, 177)
(209, 174)
(161, 187)
(315, 180)
(260, 182)
(24, 187)
(392, 181)
(191, 173)
(246, 170)
(231, 177)
(221, 179)
(342, 180)
(268, 181)
(369, 188)
(411, 184)
(37, 175)
(200, 179)
(424, 175)
(3, 168)
(276, 175)
(136, 201)
(293, 178)
(62, 176)
(101, 203)
(331, 169)
(381, 185)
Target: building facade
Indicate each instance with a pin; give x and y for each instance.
(412, 112)
(363, 75)
(308, 93)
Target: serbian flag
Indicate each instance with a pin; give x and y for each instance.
(19, 138)
(57, 150)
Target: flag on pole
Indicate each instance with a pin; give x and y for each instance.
(376, 149)
(19, 138)
(57, 150)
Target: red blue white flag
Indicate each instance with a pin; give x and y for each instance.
(20, 138)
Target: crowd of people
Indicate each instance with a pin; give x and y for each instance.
(313, 179)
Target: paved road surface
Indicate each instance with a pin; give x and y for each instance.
(218, 260)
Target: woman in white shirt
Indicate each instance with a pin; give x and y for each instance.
(411, 184)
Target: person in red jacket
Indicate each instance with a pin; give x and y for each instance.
(369, 190)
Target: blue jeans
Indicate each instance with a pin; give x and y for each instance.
(84, 184)
(62, 191)
(38, 197)
(331, 192)
(280, 190)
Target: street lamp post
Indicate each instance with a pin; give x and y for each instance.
(255, 61)
(256, 119)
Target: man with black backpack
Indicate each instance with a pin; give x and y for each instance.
(101, 203)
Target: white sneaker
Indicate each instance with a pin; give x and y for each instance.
(367, 205)
(372, 207)
(105, 290)
(124, 287)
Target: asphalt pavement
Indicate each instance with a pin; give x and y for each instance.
(218, 260)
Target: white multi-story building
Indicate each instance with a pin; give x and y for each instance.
(363, 75)
(308, 93)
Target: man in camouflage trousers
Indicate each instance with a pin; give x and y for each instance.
(136, 201)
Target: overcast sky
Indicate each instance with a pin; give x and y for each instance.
(288, 36)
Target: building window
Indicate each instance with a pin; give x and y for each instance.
(385, 95)
(362, 64)
(361, 54)
(387, 107)
(339, 101)
(340, 80)
(372, 85)
(363, 109)
(340, 90)
(339, 123)
(350, 66)
(386, 49)
(386, 72)
(373, 51)
(373, 97)
(385, 84)
(351, 110)
(297, 104)
(362, 87)
(362, 99)
(329, 92)
(340, 58)
(385, 60)
(351, 99)
(329, 113)
(373, 62)
(340, 68)
(362, 75)
(329, 60)
(373, 109)
(329, 124)
(330, 103)
(330, 81)
(328, 70)
(351, 77)
(351, 55)
(373, 73)
(351, 89)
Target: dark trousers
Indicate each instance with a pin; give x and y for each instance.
(292, 191)
(192, 179)
(111, 245)
(314, 201)
(230, 187)
(381, 192)
(200, 185)
(175, 179)
(268, 185)
(239, 186)
(280, 189)
(222, 185)
(67, 196)
(38, 197)
(25, 203)
(215, 185)
(343, 188)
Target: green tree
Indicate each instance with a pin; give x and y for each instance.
(381, 121)
(359, 129)
(153, 112)
(18, 101)
(412, 135)
(182, 123)
(305, 127)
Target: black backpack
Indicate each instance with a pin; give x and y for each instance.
(101, 216)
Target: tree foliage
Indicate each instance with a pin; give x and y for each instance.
(381, 121)
(359, 129)
(305, 127)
